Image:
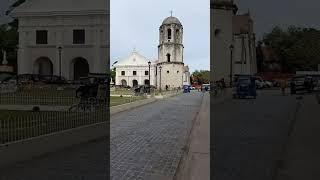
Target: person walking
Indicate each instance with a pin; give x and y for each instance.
(283, 86)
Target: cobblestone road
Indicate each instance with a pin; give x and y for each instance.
(249, 135)
(146, 143)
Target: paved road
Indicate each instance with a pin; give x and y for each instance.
(146, 143)
(249, 135)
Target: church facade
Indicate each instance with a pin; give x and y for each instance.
(233, 45)
(63, 38)
(134, 70)
(169, 71)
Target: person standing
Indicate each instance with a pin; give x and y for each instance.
(283, 86)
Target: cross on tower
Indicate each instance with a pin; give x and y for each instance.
(171, 13)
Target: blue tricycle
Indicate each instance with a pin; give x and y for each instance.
(186, 89)
(245, 87)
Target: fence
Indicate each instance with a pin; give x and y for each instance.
(18, 125)
(42, 95)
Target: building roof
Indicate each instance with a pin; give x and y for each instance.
(134, 59)
(45, 7)
(171, 20)
(242, 24)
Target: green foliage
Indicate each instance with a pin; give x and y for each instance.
(201, 77)
(113, 74)
(298, 48)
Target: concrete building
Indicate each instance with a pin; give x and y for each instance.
(244, 53)
(63, 37)
(233, 47)
(221, 12)
(168, 71)
(134, 70)
(170, 68)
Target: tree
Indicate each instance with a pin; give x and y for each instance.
(201, 77)
(113, 74)
(9, 36)
(297, 48)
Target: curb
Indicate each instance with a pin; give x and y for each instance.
(124, 107)
(195, 162)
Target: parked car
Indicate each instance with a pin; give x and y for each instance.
(301, 83)
(261, 83)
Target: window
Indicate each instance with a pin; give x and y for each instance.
(42, 37)
(168, 72)
(123, 73)
(169, 33)
(134, 73)
(178, 72)
(168, 57)
(217, 32)
(177, 31)
(79, 36)
(146, 73)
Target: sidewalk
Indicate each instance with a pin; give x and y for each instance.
(302, 155)
(195, 164)
(222, 96)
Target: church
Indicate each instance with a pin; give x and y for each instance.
(168, 70)
(62, 37)
(233, 40)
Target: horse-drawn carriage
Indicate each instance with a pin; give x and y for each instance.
(90, 98)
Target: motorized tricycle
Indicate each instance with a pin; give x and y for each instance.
(245, 87)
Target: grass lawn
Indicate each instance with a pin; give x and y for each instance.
(114, 101)
(17, 125)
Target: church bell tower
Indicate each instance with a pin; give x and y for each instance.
(170, 54)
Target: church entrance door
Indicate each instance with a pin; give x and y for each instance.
(146, 82)
(134, 83)
(43, 66)
(81, 68)
(123, 82)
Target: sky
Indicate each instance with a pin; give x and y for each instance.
(135, 24)
(269, 13)
(4, 4)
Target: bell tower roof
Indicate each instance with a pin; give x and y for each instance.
(171, 20)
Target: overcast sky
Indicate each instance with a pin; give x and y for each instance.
(136, 24)
(4, 4)
(268, 13)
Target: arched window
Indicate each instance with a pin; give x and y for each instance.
(168, 57)
(169, 33)
(217, 32)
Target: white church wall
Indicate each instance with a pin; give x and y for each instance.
(173, 79)
(222, 22)
(140, 76)
(60, 33)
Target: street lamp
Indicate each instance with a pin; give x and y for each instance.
(149, 63)
(60, 49)
(160, 68)
(231, 65)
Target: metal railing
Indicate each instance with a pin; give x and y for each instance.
(19, 125)
(43, 118)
